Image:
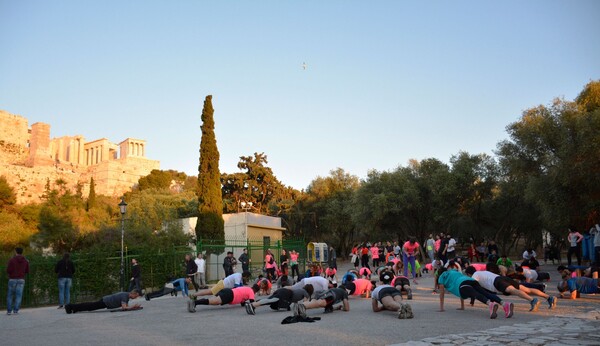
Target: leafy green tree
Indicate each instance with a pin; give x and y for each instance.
(7, 193)
(91, 200)
(210, 202)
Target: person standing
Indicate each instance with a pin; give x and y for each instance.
(201, 264)
(294, 264)
(574, 238)
(270, 265)
(595, 232)
(65, 270)
(136, 275)
(332, 258)
(245, 261)
(364, 256)
(451, 250)
(17, 268)
(191, 269)
(375, 255)
(429, 245)
(410, 249)
(228, 263)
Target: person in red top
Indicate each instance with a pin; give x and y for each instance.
(359, 287)
(409, 251)
(231, 296)
(17, 268)
(364, 256)
(270, 265)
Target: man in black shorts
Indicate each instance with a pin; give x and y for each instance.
(232, 296)
(389, 297)
(328, 298)
(507, 286)
(402, 284)
(282, 299)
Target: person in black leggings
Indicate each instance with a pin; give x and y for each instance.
(465, 287)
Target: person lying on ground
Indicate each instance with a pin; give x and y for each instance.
(113, 301)
(281, 299)
(390, 298)
(232, 296)
(507, 286)
(172, 287)
(320, 284)
(232, 281)
(328, 299)
(465, 287)
(532, 275)
(359, 287)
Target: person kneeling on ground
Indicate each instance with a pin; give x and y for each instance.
(390, 298)
(402, 284)
(359, 287)
(239, 295)
(465, 287)
(113, 301)
(327, 299)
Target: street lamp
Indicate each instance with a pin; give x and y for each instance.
(246, 206)
(123, 209)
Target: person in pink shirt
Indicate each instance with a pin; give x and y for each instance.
(294, 263)
(438, 242)
(375, 255)
(365, 273)
(270, 265)
(410, 249)
(330, 274)
(359, 287)
(231, 296)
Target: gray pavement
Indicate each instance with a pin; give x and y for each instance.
(165, 321)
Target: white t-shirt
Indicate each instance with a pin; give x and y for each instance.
(527, 255)
(201, 263)
(530, 274)
(375, 293)
(233, 280)
(319, 283)
(451, 245)
(486, 279)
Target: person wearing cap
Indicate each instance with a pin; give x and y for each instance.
(507, 286)
(389, 298)
(465, 287)
(232, 296)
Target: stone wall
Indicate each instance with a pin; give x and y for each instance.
(14, 138)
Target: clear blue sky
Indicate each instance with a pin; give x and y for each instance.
(386, 81)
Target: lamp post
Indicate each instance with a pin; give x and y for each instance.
(123, 209)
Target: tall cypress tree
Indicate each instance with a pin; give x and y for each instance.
(91, 200)
(210, 226)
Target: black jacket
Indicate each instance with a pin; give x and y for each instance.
(190, 267)
(135, 271)
(65, 269)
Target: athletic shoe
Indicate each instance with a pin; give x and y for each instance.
(60, 307)
(408, 309)
(15, 312)
(147, 298)
(402, 313)
(545, 286)
(409, 294)
(415, 281)
(294, 308)
(68, 309)
(250, 308)
(191, 305)
(535, 303)
(493, 310)
(301, 310)
(508, 309)
(551, 302)
(8, 313)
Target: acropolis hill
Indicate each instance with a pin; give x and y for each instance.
(29, 157)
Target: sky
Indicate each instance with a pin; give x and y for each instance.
(385, 81)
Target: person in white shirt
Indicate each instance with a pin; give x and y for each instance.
(527, 254)
(199, 277)
(451, 251)
(507, 286)
(319, 283)
(232, 281)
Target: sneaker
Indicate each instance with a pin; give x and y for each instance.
(415, 281)
(301, 310)
(508, 309)
(535, 303)
(15, 312)
(191, 305)
(545, 286)
(402, 313)
(60, 307)
(147, 297)
(551, 302)
(8, 313)
(493, 310)
(68, 309)
(250, 310)
(409, 294)
(408, 309)
(294, 308)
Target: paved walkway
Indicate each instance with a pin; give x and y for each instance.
(582, 329)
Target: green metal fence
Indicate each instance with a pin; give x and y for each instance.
(97, 274)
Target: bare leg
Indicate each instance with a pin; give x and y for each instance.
(392, 304)
(204, 292)
(533, 291)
